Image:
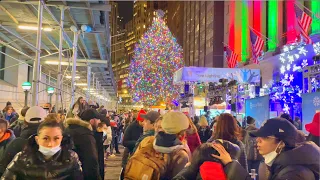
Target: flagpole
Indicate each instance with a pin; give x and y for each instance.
(262, 35)
(312, 13)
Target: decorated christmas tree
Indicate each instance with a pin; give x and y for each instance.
(157, 56)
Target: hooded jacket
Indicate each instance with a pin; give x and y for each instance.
(17, 145)
(168, 143)
(5, 140)
(85, 146)
(30, 164)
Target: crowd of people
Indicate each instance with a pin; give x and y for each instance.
(39, 143)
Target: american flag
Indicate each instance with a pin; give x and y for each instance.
(231, 58)
(304, 21)
(257, 44)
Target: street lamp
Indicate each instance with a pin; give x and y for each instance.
(26, 86)
(50, 91)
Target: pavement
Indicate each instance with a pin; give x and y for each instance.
(113, 166)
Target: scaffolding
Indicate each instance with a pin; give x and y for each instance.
(101, 94)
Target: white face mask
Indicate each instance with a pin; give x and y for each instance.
(49, 152)
(270, 157)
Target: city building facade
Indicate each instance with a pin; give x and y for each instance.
(203, 33)
(118, 52)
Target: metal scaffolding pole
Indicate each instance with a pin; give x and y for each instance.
(88, 82)
(74, 66)
(36, 64)
(59, 77)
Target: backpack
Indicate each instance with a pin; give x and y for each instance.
(147, 164)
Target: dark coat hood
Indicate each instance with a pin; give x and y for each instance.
(29, 130)
(306, 154)
(167, 143)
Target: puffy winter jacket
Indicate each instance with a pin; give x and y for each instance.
(31, 164)
(242, 156)
(300, 163)
(17, 145)
(192, 172)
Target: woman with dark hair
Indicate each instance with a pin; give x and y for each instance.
(204, 165)
(228, 129)
(46, 156)
(78, 107)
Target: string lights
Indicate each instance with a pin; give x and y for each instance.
(157, 56)
(288, 90)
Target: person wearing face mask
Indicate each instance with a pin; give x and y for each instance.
(284, 158)
(48, 155)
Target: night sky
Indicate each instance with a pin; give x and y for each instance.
(125, 10)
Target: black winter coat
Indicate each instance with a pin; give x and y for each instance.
(131, 135)
(85, 146)
(99, 141)
(17, 145)
(242, 156)
(31, 164)
(300, 163)
(192, 172)
(204, 133)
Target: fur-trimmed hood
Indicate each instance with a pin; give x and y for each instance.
(75, 121)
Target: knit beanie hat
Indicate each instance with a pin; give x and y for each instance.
(174, 122)
(203, 121)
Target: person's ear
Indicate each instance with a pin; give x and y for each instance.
(280, 147)
(36, 138)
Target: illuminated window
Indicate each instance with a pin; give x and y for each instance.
(144, 26)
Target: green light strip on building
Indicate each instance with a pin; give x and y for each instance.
(272, 24)
(244, 31)
(315, 8)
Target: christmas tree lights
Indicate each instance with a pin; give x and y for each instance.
(157, 56)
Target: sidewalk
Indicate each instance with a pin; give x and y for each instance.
(113, 166)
